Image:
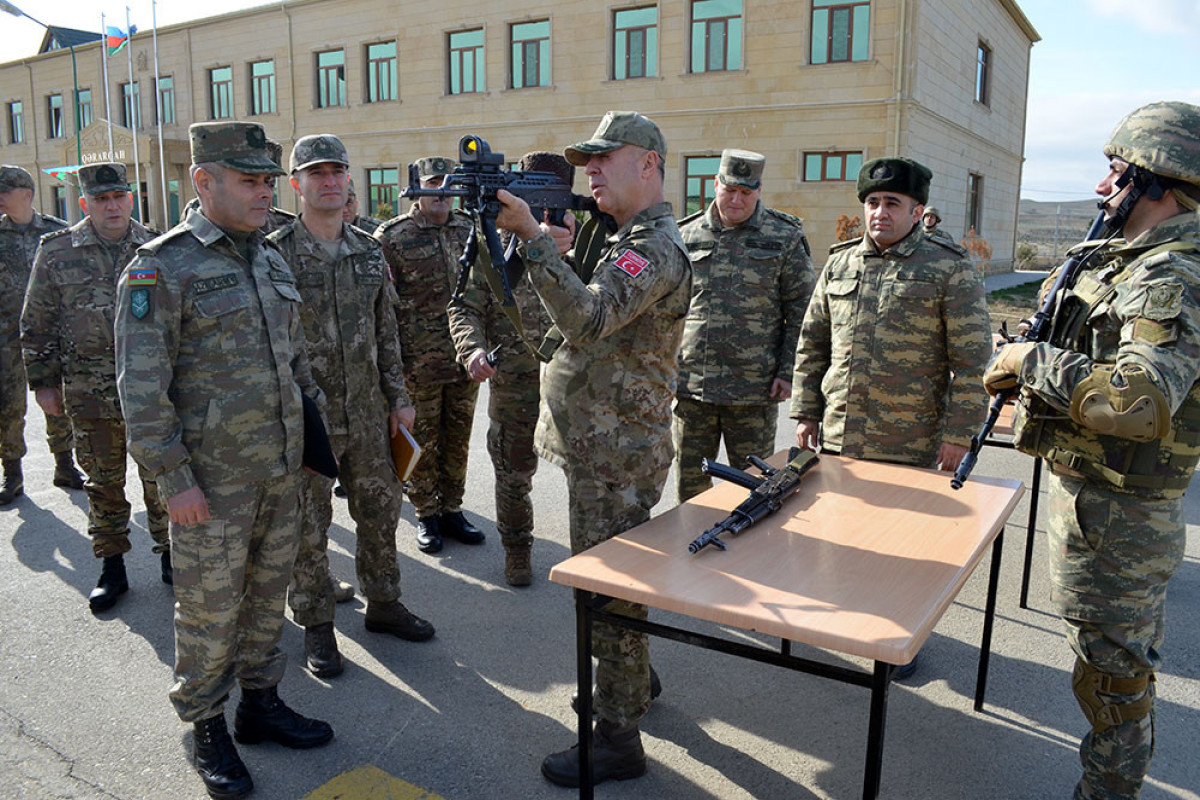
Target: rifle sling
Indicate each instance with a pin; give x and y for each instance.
(589, 246)
(503, 293)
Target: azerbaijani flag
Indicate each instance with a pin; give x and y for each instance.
(115, 39)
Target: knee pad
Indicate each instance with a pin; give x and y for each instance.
(1089, 684)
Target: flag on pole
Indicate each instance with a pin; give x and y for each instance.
(115, 39)
(63, 173)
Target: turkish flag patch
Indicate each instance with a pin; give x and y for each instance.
(631, 263)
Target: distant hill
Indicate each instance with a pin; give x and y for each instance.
(1036, 222)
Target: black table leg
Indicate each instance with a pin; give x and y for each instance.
(1033, 510)
(989, 617)
(583, 668)
(880, 684)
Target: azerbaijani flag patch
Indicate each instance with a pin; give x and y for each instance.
(143, 276)
(631, 263)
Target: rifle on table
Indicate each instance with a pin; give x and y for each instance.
(1039, 331)
(767, 493)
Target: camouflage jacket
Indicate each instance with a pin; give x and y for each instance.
(366, 224)
(892, 350)
(750, 287)
(606, 394)
(211, 360)
(424, 261)
(67, 323)
(17, 248)
(349, 322)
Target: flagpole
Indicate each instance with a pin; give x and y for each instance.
(135, 115)
(162, 162)
(104, 67)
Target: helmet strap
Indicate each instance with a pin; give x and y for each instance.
(1140, 182)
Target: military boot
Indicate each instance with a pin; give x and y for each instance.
(218, 762)
(321, 650)
(616, 753)
(655, 691)
(455, 525)
(392, 617)
(429, 534)
(263, 716)
(518, 567)
(168, 574)
(112, 584)
(65, 474)
(13, 485)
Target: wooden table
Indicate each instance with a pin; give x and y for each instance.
(1002, 436)
(864, 560)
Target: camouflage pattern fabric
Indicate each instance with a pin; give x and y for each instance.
(367, 224)
(445, 412)
(276, 217)
(892, 351)
(697, 429)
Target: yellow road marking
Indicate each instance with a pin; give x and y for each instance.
(369, 783)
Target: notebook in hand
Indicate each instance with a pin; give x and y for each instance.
(405, 453)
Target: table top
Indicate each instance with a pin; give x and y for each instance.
(1004, 425)
(864, 560)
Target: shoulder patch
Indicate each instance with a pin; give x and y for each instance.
(55, 234)
(631, 263)
(142, 276)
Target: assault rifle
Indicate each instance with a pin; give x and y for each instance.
(766, 493)
(1039, 331)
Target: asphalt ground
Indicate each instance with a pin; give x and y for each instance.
(470, 714)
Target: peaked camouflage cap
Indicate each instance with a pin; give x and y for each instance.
(900, 175)
(617, 129)
(14, 177)
(241, 146)
(1161, 137)
(318, 148)
(107, 176)
(741, 168)
(435, 167)
(275, 149)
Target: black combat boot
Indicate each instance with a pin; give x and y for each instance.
(394, 618)
(13, 485)
(655, 691)
(218, 762)
(65, 474)
(168, 574)
(321, 650)
(429, 534)
(616, 753)
(263, 716)
(111, 586)
(455, 525)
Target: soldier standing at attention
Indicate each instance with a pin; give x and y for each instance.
(752, 275)
(606, 394)
(67, 343)
(931, 222)
(350, 325)
(350, 214)
(210, 366)
(1112, 402)
(422, 248)
(20, 229)
(479, 326)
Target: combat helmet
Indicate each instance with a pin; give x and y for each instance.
(1163, 138)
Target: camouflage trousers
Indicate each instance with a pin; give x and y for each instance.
(100, 448)
(598, 512)
(13, 404)
(443, 429)
(1111, 556)
(373, 495)
(513, 411)
(697, 429)
(231, 578)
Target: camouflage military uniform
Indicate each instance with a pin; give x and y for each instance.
(892, 350)
(67, 342)
(210, 364)
(365, 223)
(276, 217)
(350, 324)
(606, 414)
(17, 248)
(424, 261)
(750, 287)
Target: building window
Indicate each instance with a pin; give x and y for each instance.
(16, 122)
(85, 108)
(716, 35)
(54, 116)
(331, 78)
(220, 93)
(635, 43)
(381, 72)
(166, 98)
(530, 54)
(983, 67)
(466, 61)
(840, 30)
(832, 166)
(700, 172)
(975, 203)
(382, 192)
(58, 198)
(131, 106)
(262, 87)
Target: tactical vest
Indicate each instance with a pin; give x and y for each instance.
(1160, 469)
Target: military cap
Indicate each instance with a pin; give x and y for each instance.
(319, 148)
(931, 211)
(14, 177)
(900, 175)
(545, 161)
(435, 167)
(350, 191)
(617, 129)
(276, 151)
(241, 146)
(741, 168)
(108, 176)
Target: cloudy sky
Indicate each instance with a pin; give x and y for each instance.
(1098, 60)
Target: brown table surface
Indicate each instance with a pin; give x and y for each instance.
(1004, 425)
(864, 560)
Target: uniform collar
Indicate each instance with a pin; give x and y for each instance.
(1180, 226)
(207, 232)
(901, 249)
